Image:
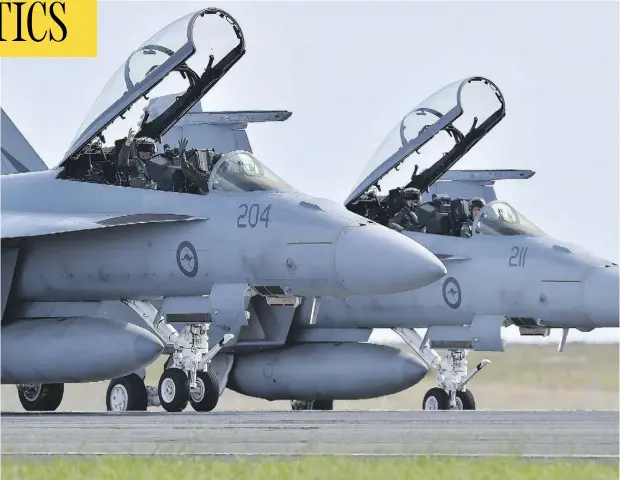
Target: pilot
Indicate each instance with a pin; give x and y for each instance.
(405, 218)
(132, 165)
(197, 178)
(475, 205)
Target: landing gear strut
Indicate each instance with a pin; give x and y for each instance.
(41, 398)
(186, 377)
(452, 376)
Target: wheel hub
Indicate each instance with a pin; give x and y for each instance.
(431, 404)
(168, 390)
(198, 393)
(31, 392)
(119, 398)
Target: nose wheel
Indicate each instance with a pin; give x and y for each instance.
(174, 390)
(438, 399)
(205, 396)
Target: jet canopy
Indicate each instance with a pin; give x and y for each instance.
(210, 38)
(240, 171)
(501, 219)
(432, 137)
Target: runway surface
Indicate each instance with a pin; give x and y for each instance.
(577, 434)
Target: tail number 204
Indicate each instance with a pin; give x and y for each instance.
(250, 215)
(517, 257)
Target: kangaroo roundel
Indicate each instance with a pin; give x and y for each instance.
(452, 293)
(187, 259)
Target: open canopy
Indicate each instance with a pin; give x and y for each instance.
(201, 47)
(433, 137)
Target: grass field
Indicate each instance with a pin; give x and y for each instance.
(584, 376)
(308, 469)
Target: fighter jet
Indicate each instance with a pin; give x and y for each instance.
(508, 272)
(99, 229)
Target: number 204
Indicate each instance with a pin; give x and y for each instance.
(251, 216)
(517, 257)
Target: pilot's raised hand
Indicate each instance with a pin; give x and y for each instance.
(182, 146)
(130, 136)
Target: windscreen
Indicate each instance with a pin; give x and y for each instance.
(500, 219)
(240, 171)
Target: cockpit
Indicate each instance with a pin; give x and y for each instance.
(188, 56)
(420, 149)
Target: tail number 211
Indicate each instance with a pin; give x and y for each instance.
(517, 257)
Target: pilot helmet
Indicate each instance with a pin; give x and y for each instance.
(411, 193)
(145, 145)
(476, 204)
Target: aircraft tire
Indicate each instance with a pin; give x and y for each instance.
(126, 394)
(317, 405)
(42, 398)
(173, 390)
(208, 392)
(467, 400)
(323, 405)
(436, 399)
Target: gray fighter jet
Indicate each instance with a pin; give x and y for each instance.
(101, 228)
(530, 279)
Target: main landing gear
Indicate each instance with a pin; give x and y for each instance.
(186, 377)
(323, 405)
(41, 398)
(452, 376)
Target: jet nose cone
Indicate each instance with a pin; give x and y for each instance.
(601, 298)
(374, 260)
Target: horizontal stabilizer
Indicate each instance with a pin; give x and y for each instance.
(486, 177)
(18, 156)
(24, 224)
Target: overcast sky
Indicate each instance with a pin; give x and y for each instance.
(349, 71)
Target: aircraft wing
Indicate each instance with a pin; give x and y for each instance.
(25, 224)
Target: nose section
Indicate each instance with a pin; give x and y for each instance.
(601, 298)
(374, 260)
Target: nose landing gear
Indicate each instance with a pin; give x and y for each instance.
(452, 376)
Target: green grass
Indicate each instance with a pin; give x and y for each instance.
(110, 468)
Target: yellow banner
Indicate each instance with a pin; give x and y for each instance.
(59, 28)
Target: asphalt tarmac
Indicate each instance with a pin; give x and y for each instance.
(565, 434)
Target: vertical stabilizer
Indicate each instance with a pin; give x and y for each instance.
(18, 156)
